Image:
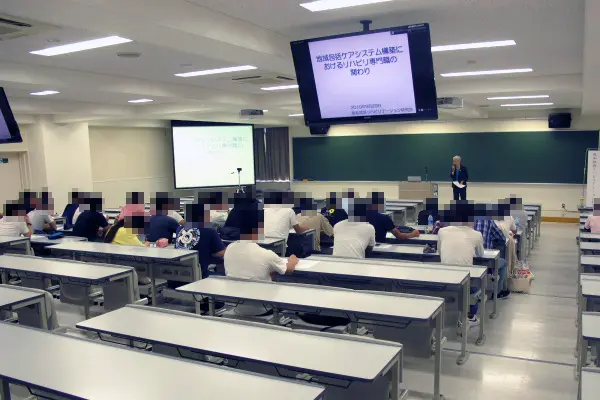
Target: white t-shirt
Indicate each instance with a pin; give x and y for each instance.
(459, 244)
(13, 226)
(351, 239)
(248, 260)
(279, 221)
(38, 218)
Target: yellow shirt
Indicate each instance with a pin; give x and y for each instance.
(126, 236)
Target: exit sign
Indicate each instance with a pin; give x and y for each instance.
(3, 160)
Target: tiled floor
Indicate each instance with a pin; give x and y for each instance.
(529, 349)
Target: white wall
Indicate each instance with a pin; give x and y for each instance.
(130, 159)
(550, 196)
(10, 178)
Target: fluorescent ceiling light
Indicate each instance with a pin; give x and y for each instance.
(80, 46)
(527, 105)
(490, 72)
(324, 5)
(140, 101)
(280, 87)
(216, 71)
(265, 111)
(540, 96)
(479, 45)
(44, 93)
(296, 115)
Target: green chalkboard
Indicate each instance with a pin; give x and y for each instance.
(529, 157)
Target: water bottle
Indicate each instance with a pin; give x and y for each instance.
(430, 223)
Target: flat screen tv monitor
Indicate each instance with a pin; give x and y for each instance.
(9, 130)
(375, 76)
(208, 154)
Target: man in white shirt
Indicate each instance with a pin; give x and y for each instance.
(41, 218)
(15, 222)
(354, 236)
(279, 217)
(459, 243)
(246, 259)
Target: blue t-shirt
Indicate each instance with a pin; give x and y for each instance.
(458, 175)
(161, 226)
(205, 241)
(382, 224)
(88, 223)
(69, 213)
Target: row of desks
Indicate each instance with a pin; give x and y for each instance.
(588, 321)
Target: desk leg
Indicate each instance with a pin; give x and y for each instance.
(482, 313)
(129, 284)
(396, 379)
(4, 390)
(4, 277)
(283, 248)
(150, 269)
(495, 289)
(580, 348)
(43, 313)
(439, 326)
(211, 307)
(466, 295)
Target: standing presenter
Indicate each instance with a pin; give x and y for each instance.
(460, 177)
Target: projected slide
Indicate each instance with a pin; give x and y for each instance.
(207, 156)
(359, 76)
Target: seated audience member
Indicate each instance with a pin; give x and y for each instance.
(333, 210)
(493, 238)
(518, 213)
(198, 234)
(279, 217)
(592, 223)
(91, 223)
(15, 222)
(311, 219)
(161, 224)
(384, 223)
(246, 259)
(29, 200)
(241, 202)
(132, 222)
(41, 218)
(174, 209)
(71, 209)
(354, 237)
(431, 208)
(459, 242)
(133, 201)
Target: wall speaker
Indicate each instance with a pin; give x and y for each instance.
(319, 130)
(559, 120)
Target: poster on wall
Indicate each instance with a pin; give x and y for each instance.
(593, 178)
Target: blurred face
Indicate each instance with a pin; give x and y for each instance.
(456, 162)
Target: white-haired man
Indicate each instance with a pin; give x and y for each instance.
(459, 174)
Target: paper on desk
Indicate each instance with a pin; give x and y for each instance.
(458, 185)
(383, 246)
(306, 264)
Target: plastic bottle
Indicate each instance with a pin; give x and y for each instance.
(430, 223)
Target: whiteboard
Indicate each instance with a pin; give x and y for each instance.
(593, 177)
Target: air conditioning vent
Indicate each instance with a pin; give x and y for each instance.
(12, 27)
(262, 79)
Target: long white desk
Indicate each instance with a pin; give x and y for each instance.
(538, 210)
(71, 272)
(13, 298)
(589, 384)
(399, 213)
(589, 237)
(590, 334)
(14, 244)
(340, 272)
(81, 369)
(589, 247)
(478, 275)
(369, 307)
(424, 238)
(351, 359)
(169, 264)
(490, 259)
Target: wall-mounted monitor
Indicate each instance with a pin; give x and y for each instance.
(374, 76)
(208, 154)
(9, 130)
